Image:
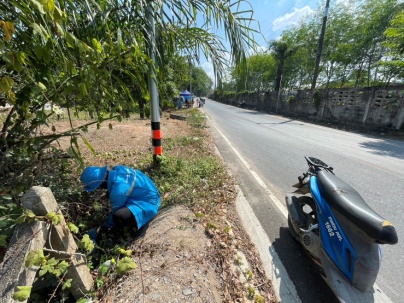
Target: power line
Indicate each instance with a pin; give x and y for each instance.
(281, 14)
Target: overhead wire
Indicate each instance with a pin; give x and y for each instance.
(281, 14)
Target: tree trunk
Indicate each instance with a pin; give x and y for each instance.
(141, 108)
(279, 76)
(371, 55)
(377, 67)
(358, 76)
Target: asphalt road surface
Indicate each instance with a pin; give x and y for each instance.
(274, 147)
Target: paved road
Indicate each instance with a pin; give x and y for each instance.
(274, 148)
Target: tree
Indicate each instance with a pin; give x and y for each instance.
(259, 74)
(281, 51)
(93, 56)
(298, 72)
(395, 33)
(201, 82)
(395, 44)
(353, 45)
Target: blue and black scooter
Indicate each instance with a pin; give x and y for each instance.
(340, 232)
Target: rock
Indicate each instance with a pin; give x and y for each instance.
(187, 292)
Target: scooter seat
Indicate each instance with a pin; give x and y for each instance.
(346, 200)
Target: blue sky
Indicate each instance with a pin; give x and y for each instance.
(275, 16)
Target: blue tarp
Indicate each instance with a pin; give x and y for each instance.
(186, 94)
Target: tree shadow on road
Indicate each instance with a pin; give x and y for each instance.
(386, 148)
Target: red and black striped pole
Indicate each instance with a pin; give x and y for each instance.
(156, 138)
(154, 101)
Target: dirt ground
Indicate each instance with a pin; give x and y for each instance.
(178, 258)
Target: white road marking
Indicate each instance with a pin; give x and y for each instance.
(274, 269)
(273, 198)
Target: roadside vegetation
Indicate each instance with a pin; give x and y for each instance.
(86, 64)
(189, 173)
(60, 59)
(94, 57)
(363, 46)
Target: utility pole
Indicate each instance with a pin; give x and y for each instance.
(152, 81)
(190, 76)
(320, 45)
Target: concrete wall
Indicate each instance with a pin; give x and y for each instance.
(372, 107)
(57, 239)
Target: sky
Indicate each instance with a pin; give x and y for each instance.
(274, 16)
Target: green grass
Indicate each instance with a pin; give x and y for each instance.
(188, 173)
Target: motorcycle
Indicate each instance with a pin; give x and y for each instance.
(340, 232)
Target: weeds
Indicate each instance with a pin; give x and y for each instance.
(188, 173)
(196, 118)
(250, 292)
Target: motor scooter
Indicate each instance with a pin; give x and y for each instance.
(340, 232)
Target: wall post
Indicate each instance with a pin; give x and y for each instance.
(369, 104)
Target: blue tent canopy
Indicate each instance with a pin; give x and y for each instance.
(185, 93)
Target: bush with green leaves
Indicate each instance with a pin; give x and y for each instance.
(95, 57)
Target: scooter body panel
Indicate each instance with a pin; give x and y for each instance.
(344, 290)
(334, 241)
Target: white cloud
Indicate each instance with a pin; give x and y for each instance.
(292, 18)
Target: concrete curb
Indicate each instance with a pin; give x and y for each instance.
(275, 271)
